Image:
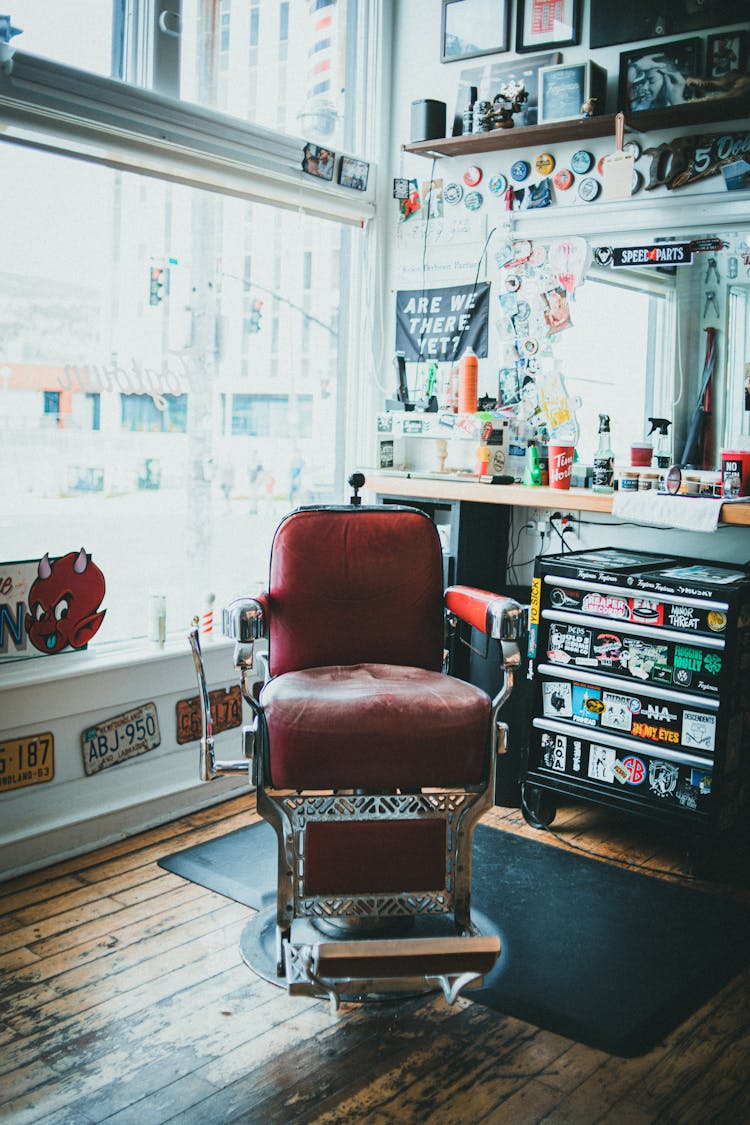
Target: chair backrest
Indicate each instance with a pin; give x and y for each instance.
(355, 585)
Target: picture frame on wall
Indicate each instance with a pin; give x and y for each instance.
(473, 27)
(354, 173)
(657, 76)
(725, 53)
(318, 161)
(611, 23)
(542, 24)
(488, 77)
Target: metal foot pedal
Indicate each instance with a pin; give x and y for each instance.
(358, 969)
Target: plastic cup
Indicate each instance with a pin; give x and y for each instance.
(641, 453)
(560, 465)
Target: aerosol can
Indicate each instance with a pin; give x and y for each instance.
(662, 453)
(604, 460)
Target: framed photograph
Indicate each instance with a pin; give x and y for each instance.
(473, 27)
(564, 89)
(318, 161)
(354, 173)
(657, 76)
(489, 78)
(611, 23)
(541, 24)
(725, 53)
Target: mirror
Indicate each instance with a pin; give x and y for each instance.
(637, 345)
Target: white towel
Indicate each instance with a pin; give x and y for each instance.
(685, 513)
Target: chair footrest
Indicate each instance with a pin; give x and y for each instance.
(357, 969)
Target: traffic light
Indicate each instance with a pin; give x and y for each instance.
(158, 278)
(253, 324)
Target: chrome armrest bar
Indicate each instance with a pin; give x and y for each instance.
(209, 767)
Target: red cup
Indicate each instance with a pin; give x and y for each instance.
(560, 465)
(735, 472)
(640, 454)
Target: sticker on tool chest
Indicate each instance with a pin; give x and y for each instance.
(657, 662)
(639, 610)
(579, 702)
(640, 774)
(641, 716)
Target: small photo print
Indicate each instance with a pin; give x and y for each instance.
(557, 311)
(354, 173)
(725, 53)
(318, 161)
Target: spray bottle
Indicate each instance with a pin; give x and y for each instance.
(604, 460)
(663, 454)
(532, 473)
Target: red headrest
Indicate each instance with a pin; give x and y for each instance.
(354, 585)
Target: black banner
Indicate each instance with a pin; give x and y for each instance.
(440, 324)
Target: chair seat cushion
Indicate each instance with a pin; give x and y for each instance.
(374, 726)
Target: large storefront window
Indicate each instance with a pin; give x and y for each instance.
(151, 413)
(278, 63)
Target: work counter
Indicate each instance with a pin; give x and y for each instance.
(512, 495)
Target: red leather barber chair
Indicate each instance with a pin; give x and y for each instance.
(372, 764)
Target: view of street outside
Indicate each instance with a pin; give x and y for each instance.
(169, 358)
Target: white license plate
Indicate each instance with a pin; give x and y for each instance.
(123, 736)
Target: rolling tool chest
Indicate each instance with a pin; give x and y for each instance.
(641, 688)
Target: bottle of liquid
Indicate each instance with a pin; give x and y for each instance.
(604, 460)
(662, 453)
(467, 383)
(532, 473)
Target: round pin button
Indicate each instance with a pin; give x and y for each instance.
(512, 282)
(544, 163)
(588, 189)
(472, 176)
(498, 184)
(581, 162)
(473, 200)
(453, 193)
(520, 170)
(632, 148)
(637, 182)
(530, 346)
(563, 179)
(600, 164)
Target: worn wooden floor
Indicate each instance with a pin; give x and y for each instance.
(124, 999)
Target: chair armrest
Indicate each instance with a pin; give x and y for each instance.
(245, 619)
(493, 614)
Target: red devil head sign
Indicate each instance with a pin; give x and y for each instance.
(63, 602)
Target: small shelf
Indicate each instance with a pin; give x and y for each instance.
(585, 128)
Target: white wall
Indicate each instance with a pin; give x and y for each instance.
(70, 692)
(418, 73)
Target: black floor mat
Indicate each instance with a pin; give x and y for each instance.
(602, 955)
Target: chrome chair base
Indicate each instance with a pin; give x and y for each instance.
(259, 947)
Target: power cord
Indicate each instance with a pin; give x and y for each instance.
(687, 876)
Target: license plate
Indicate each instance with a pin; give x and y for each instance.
(226, 712)
(27, 761)
(123, 736)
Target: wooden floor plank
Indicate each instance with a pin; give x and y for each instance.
(125, 1000)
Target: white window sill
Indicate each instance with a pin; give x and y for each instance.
(101, 658)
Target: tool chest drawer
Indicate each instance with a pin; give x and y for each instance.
(640, 665)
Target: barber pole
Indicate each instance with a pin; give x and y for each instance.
(207, 616)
